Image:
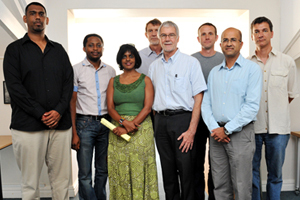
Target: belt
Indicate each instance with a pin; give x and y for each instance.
(222, 124)
(97, 117)
(171, 112)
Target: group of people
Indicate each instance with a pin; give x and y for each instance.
(236, 104)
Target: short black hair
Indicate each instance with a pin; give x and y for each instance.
(154, 22)
(208, 24)
(130, 48)
(91, 35)
(35, 3)
(260, 20)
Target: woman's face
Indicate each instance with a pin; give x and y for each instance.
(128, 60)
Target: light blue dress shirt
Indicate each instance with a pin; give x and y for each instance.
(233, 95)
(176, 82)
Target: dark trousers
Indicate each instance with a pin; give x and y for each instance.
(177, 167)
(200, 139)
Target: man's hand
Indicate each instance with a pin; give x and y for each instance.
(187, 141)
(51, 119)
(219, 135)
(75, 142)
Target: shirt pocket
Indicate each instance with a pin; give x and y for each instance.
(238, 87)
(278, 78)
(180, 84)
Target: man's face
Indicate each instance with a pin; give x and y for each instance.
(151, 34)
(207, 37)
(261, 34)
(168, 38)
(36, 19)
(93, 49)
(231, 43)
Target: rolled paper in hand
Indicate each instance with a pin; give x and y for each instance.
(112, 127)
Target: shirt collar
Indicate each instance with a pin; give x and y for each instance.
(149, 52)
(86, 62)
(172, 58)
(27, 39)
(238, 62)
(274, 52)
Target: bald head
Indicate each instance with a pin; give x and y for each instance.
(231, 29)
(231, 43)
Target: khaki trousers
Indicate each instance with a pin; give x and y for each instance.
(32, 149)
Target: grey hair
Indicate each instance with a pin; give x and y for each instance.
(168, 24)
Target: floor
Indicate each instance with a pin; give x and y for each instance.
(284, 196)
(290, 195)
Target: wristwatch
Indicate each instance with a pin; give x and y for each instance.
(226, 132)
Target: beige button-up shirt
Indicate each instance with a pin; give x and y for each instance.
(279, 84)
(91, 85)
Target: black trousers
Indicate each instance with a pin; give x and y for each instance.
(200, 139)
(177, 167)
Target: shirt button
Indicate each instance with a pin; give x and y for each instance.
(265, 80)
(265, 90)
(265, 71)
(266, 111)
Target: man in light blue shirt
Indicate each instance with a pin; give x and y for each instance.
(229, 107)
(154, 50)
(178, 84)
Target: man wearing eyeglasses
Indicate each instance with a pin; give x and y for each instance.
(154, 50)
(88, 107)
(272, 127)
(179, 84)
(208, 58)
(229, 108)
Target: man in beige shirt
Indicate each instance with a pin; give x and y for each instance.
(272, 127)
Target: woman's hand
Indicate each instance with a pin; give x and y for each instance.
(119, 131)
(130, 126)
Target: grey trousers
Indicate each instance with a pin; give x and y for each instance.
(232, 165)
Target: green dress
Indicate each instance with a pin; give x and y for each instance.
(131, 165)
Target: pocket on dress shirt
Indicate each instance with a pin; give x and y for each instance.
(238, 87)
(278, 78)
(180, 84)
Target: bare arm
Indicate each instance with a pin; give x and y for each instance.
(188, 136)
(111, 107)
(149, 95)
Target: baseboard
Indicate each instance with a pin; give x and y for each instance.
(288, 185)
(14, 191)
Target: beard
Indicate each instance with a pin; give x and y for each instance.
(94, 59)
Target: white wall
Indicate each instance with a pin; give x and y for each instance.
(289, 22)
(58, 31)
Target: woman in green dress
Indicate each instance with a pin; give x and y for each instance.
(131, 165)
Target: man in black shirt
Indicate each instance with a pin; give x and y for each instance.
(39, 79)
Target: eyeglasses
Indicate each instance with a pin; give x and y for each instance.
(232, 40)
(171, 36)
